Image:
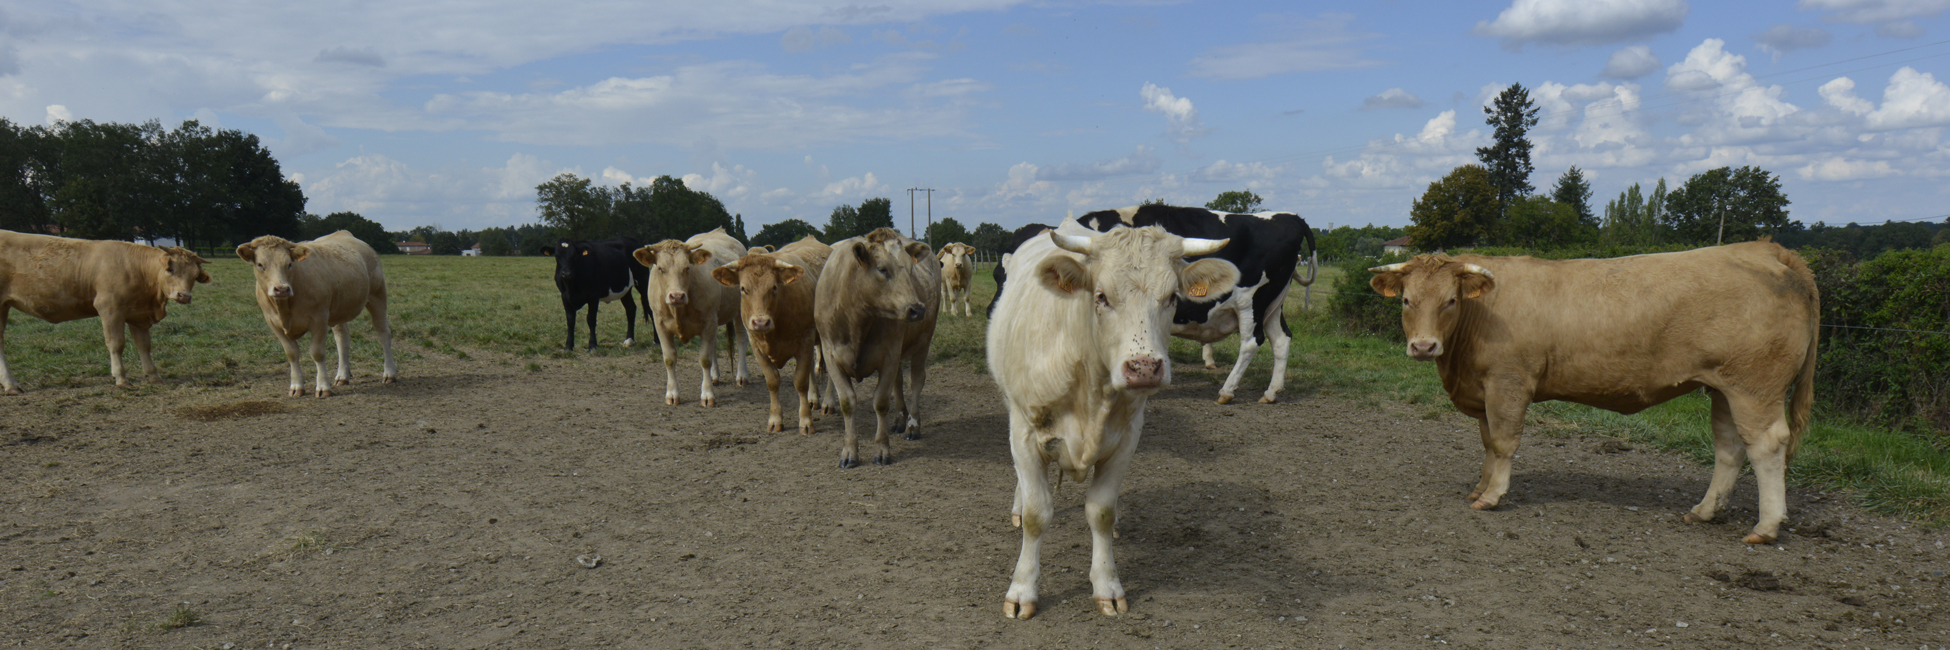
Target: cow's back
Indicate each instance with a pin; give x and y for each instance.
(339, 274)
(58, 279)
(724, 250)
(1627, 333)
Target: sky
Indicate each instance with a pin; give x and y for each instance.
(450, 113)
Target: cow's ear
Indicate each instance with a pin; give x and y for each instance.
(548, 250)
(863, 254)
(1472, 285)
(202, 276)
(645, 256)
(727, 275)
(1207, 279)
(700, 256)
(919, 250)
(298, 253)
(944, 256)
(1065, 275)
(789, 273)
(248, 252)
(1387, 283)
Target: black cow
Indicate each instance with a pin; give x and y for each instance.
(1015, 241)
(1267, 247)
(595, 272)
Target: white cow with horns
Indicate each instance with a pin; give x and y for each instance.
(1076, 352)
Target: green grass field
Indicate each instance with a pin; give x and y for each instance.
(466, 307)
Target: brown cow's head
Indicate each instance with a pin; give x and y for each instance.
(1432, 288)
(182, 270)
(1136, 276)
(670, 263)
(271, 259)
(891, 281)
(758, 277)
(953, 256)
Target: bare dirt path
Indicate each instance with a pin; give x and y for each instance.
(449, 511)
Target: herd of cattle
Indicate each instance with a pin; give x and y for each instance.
(1078, 342)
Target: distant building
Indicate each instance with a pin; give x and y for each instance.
(474, 251)
(1395, 246)
(415, 248)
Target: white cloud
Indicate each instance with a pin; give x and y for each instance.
(1912, 100)
(1631, 63)
(1739, 108)
(1899, 29)
(726, 183)
(1139, 162)
(852, 187)
(57, 113)
(1869, 12)
(1840, 93)
(1313, 45)
(1227, 172)
(805, 39)
(400, 197)
(1181, 118)
(1783, 38)
(1841, 169)
(1392, 98)
(1583, 22)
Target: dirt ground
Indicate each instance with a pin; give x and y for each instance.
(451, 510)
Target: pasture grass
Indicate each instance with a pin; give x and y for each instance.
(507, 308)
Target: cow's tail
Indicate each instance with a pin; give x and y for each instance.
(1313, 260)
(1801, 408)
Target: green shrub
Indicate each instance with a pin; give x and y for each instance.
(1898, 379)
(1359, 308)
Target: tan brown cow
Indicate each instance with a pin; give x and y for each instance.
(957, 276)
(688, 302)
(309, 287)
(129, 286)
(878, 299)
(1624, 334)
(776, 302)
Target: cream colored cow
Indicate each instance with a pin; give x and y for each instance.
(688, 302)
(957, 276)
(129, 286)
(309, 287)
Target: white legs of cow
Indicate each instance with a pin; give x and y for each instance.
(1034, 505)
(707, 360)
(342, 339)
(1749, 432)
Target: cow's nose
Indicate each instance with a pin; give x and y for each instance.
(1144, 373)
(182, 297)
(678, 298)
(916, 312)
(760, 324)
(281, 291)
(1424, 349)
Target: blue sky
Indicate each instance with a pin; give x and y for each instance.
(450, 113)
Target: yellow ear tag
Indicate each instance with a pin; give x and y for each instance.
(1198, 290)
(585, 253)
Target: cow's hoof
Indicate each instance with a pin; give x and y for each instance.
(1692, 518)
(883, 458)
(805, 428)
(1483, 504)
(123, 383)
(341, 382)
(297, 392)
(707, 402)
(324, 393)
(672, 400)
(1475, 494)
(742, 382)
(1112, 606)
(1211, 366)
(774, 425)
(912, 434)
(1015, 520)
(628, 342)
(1020, 611)
(849, 463)
(1225, 399)
(1269, 399)
(1757, 538)
(389, 379)
(13, 390)
(899, 425)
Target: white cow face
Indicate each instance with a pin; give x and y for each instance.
(182, 271)
(890, 278)
(271, 259)
(1136, 276)
(670, 263)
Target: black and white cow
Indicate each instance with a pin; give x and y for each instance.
(1268, 248)
(595, 272)
(1015, 241)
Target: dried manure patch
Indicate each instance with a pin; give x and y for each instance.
(483, 504)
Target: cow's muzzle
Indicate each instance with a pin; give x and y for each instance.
(281, 291)
(678, 298)
(1424, 349)
(759, 324)
(181, 297)
(1144, 373)
(916, 312)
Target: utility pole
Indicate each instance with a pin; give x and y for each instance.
(910, 214)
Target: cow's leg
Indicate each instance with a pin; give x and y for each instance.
(831, 403)
(342, 336)
(1729, 453)
(802, 386)
(1100, 506)
(291, 361)
(899, 407)
(883, 394)
(1282, 344)
(376, 309)
(629, 318)
(318, 333)
(918, 375)
(1211, 362)
(6, 374)
(139, 333)
(667, 341)
(569, 310)
(845, 390)
(1249, 340)
(707, 360)
(1502, 428)
(740, 346)
(1763, 427)
(775, 423)
(112, 334)
(593, 304)
(1033, 510)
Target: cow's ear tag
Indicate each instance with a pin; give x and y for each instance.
(585, 253)
(1198, 290)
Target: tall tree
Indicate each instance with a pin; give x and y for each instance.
(312, 226)
(574, 207)
(847, 221)
(783, 232)
(1632, 219)
(1508, 161)
(1236, 202)
(1573, 190)
(988, 237)
(1540, 223)
(24, 158)
(947, 231)
(1727, 205)
(1459, 210)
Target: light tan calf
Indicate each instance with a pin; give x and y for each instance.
(957, 276)
(1624, 334)
(878, 299)
(776, 298)
(688, 302)
(57, 279)
(309, 287)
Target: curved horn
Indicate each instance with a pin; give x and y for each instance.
(1472, 268)
(1195, 247)
(1392, 268)
(1072, 243)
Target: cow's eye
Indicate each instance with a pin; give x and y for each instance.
(886, 273)
(1452, 303)
(1404, 303)
(1102, 300)
(1171, 301)
(744, 290)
